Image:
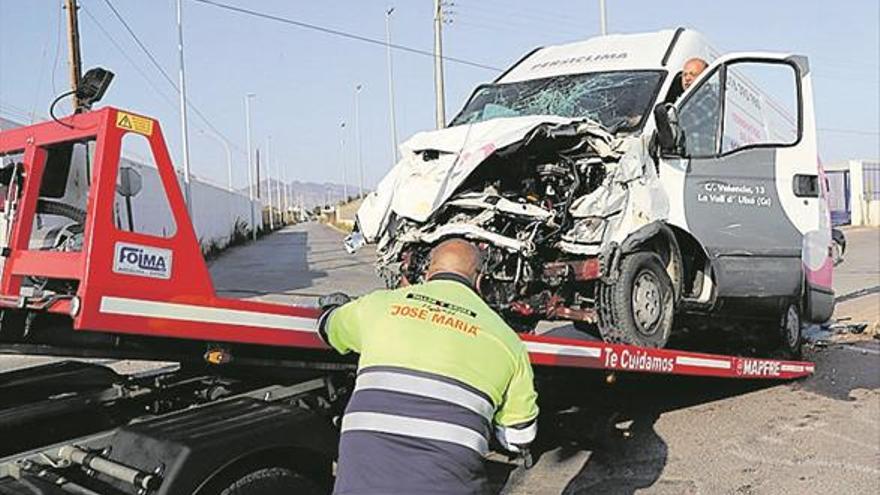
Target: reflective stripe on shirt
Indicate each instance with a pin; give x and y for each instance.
(509, 435)
(425, 387)
(415, 427)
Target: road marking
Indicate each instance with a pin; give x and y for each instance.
(189, 312)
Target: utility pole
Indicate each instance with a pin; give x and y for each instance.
(391, 108)
(440, 109)
(187, 187)
(603, 20)
(73, 50)
(357, 132)
(250, 163)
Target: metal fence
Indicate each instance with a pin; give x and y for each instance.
(871, 180)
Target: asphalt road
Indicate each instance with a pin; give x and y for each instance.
(663, 435)
(651, 435)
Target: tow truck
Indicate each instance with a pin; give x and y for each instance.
(253, 405)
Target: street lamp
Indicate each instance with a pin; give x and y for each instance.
(187, 187)
(250, 163)
(225, 144)
(342, 160)
(269, 182)
(357, 131)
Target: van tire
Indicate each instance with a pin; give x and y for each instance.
(791, 332)
(638, 308)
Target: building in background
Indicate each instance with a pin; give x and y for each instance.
(854, 192)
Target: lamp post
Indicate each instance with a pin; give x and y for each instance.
(225, 144)
(357, 132)
(250, 163)
(269, 182)
(279, 191)
(187, 187)
(342, 160)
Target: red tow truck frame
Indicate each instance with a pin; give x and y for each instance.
(181, 303)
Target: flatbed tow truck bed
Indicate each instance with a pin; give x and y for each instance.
(257, 395)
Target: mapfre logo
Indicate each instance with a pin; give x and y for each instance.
(144, 261)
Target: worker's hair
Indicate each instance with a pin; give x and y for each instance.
(697, 59)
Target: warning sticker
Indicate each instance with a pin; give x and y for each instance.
(134, 123)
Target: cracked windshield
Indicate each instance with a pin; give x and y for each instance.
(617, 100)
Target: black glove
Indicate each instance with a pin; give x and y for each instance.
(333, 300)
(327, 304)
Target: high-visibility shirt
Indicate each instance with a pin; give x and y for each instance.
(438, 367)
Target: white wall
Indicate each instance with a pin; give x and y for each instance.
(215, 209)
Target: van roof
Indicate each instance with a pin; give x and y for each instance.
(642, 51)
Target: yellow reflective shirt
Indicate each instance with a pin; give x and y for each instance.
(441, 327)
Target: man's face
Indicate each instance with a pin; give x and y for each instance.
(692, 69)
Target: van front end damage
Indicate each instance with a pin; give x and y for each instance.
(548, 200)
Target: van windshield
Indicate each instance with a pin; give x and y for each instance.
(618, 100)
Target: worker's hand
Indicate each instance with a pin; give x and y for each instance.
(333, 300)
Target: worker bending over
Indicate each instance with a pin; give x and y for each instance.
(437, 369)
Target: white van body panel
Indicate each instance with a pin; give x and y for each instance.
(742, 250)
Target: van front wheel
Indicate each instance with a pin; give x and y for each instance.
(638, 308)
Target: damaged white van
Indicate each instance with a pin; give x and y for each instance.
(603, 193)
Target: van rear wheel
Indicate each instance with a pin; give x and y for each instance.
(638, 308)
(791, 332)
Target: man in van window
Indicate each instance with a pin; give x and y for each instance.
(700, 115)
(691, 71)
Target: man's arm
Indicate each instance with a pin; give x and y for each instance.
(516, 422)
(337, 325)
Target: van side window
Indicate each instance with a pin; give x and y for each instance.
(700, 117)
(760, 105)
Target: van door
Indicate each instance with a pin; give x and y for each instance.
(752, 194)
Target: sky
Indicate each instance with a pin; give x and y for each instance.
(305, 80)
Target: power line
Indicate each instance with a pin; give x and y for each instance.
(165, 74)
(167, 99)
(122, 51)
(342, 34)
(140, 44)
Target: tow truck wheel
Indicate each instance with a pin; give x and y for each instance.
(791, 332)
(271, 481)
(638, 308)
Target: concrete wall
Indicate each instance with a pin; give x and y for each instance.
(215, 210)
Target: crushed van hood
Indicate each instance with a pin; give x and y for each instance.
(433, 165)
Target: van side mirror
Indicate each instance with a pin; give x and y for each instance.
(669, 135)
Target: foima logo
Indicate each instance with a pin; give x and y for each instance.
(143, 261)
